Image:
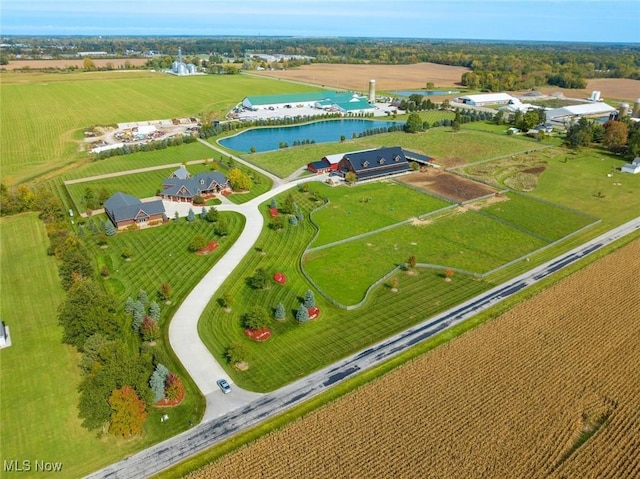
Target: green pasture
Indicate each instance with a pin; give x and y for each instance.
(363, 208)
(544, 220)
(37, 139)
(468, 241)
(468, 144)
(297, 349)
(580, 181)
(169, 156)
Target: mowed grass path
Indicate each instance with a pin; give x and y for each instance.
(37, 139)
(363, 208)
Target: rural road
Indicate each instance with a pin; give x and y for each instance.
(261, 407)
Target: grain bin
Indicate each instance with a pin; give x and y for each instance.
(623, 109)
(636, 109)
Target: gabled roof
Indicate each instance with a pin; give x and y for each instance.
(192, 186)
(318, 165)
(122, 207)
(488, 97)
(181, 173)
(379, 162)
(596, 108)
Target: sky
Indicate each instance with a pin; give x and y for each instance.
(531, 20)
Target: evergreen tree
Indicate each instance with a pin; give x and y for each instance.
(158, 381)
(128, 305)
(154, 311)
(108, 227)
(302, 314)
(203, 213)
(280, 312)
(142, 297)
(138, 315)
(309, 299)
(191, 216)
(212, 215)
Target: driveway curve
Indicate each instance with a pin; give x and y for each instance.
(183, 329)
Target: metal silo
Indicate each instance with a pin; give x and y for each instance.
(636, 109)
(372, 91)
(623, 108)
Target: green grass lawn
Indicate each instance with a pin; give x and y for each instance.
(545, 220)
(172, 155)
(363, 208)
(41, 140)
(295, 350)
(467, 241)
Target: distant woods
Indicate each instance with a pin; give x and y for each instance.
(495, 66)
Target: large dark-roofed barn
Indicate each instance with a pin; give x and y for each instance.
(376, 163)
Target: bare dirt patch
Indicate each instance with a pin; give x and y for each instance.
(387, 77)
(447, 185)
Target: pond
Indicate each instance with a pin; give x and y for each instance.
(408, 93)
(328, 131)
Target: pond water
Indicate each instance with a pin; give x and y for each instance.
(408, 93)
(328, 131)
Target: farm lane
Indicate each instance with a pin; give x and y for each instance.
(162, 456)
(183, 328)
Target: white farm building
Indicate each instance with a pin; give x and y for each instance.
(487, 99)
(574, 111)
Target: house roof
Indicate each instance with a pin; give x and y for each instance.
(181, 173)
(192, 186)
(288, 98)
(412, 155)
(122, 207)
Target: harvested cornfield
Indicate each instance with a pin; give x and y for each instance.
(549, 389)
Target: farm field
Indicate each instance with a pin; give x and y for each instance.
(388, 77)
(43, 140)
(528, 394)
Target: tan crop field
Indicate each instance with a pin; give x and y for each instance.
(73, 62)
(549, 389)
(387, 77)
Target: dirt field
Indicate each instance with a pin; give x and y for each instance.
(515, 397)
(398, 77)
(610, 88)
(98, 62)
(387, 77)
(447, 185)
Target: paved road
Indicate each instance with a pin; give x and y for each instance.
(171, 451)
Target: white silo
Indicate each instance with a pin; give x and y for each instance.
(372, 91)
(595, 96)
(636, 109)
(623, 109)
(191, 68)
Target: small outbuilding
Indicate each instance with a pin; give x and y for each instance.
(633, 167)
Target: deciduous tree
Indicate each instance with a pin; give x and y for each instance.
(128, 412)
(255, 318)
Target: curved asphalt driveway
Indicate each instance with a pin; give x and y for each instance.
(183, 329)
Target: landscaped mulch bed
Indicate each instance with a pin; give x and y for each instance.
(261, 334)
(172, 402)
(314, 312)
(280, 278)
(211, 246)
